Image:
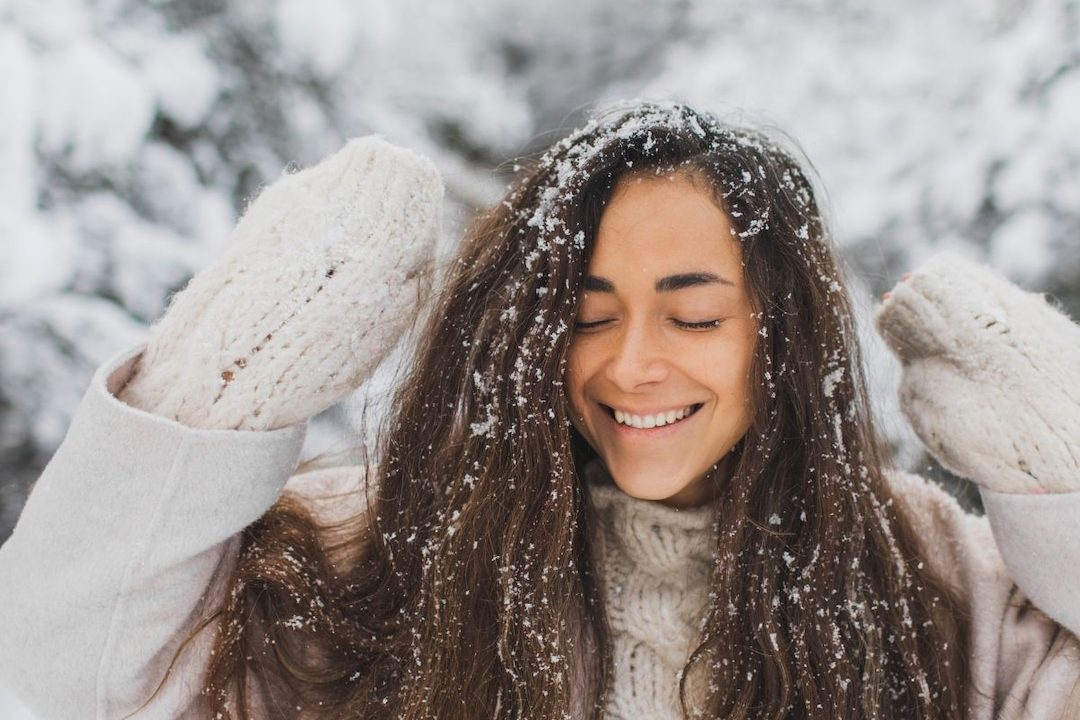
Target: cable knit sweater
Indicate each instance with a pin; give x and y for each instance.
(654, 563)
(178, 445)
(130, 530)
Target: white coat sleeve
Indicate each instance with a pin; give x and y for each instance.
(1016, 570)
(122, 546)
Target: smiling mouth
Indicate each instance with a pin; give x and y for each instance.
(646, 422)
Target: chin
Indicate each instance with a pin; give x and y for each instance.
(646, 487)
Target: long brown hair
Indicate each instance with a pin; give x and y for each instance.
(466, 588)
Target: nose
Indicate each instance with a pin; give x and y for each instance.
(638, 358)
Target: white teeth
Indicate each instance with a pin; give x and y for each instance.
(651, 421)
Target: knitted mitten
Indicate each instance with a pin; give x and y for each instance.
(319, 280)
(991, 376)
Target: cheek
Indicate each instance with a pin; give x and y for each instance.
(726, 370)
(582, 361)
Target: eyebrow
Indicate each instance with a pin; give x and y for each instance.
(664, 284)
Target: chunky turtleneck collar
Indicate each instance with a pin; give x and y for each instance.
(659, 538)
(654, 562)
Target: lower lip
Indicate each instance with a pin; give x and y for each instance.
(653, 432)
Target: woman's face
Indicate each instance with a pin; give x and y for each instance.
(665, 331)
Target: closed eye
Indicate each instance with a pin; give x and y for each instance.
(703, 325)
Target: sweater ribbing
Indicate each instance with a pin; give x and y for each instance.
(653, 561)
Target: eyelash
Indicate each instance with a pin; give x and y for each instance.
(704, 325)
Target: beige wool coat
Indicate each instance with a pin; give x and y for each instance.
(134, 522)
(129, 533)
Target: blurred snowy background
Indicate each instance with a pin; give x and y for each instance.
(131, 134)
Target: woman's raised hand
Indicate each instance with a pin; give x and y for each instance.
(322, 275)
(991, 375)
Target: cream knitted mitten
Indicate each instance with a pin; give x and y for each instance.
(320, 278)
(991, 376)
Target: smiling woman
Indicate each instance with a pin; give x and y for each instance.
(659, 367)
(630, 471)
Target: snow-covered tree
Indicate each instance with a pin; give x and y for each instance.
(133, 133)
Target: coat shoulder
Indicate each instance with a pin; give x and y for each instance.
(959, 545)
(333, 494)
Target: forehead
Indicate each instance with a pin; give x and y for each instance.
(653, 225)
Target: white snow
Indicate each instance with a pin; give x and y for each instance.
(932, 125)
(1022, 245)
(95, 108)
(319, 34)
(182, 78)
(19, 100)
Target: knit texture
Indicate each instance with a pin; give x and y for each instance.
(115, 554)
(321, 276)
(654, 563)
(114, 557)
(990, 376)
